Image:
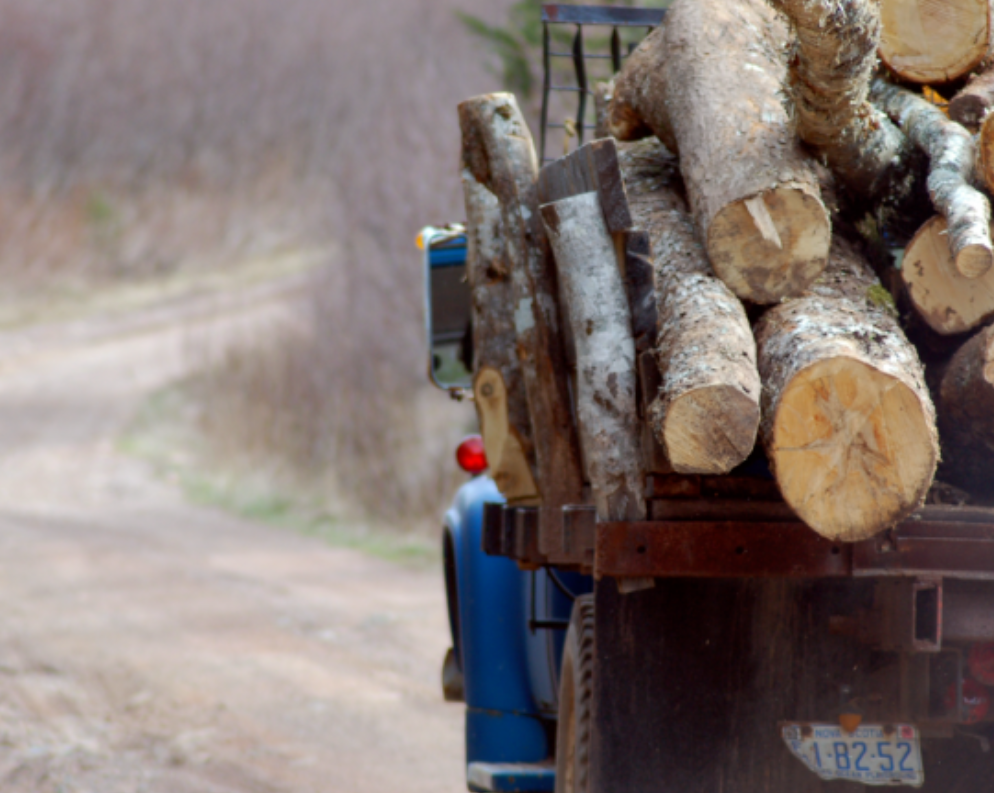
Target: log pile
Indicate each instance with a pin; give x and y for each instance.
(779, 231)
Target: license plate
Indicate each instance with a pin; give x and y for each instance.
(875, 754)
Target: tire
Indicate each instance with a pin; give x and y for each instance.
(576, 683)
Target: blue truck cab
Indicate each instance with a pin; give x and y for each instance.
(508, 624)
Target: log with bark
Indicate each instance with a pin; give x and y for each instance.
(833, 60)
(499, 153)
(637, 108)
(947, 301)
(985, 153)
(966, 415)
(709, 85)
(498, 388)
(848, 424)
(931, 42)
(971, 105)
(952, 154)
(706, 412)
(596, 307)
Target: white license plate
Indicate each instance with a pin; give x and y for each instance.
(871, 755)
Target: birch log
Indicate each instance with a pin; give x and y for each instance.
(833, 60)
(971, 105)
(498, 388)
(706, 412)
(848, 424)
(966, 414)
(715, 78)
(597, 310)
(952, 154)
(946, 300)
(931, 42)
(499, 153)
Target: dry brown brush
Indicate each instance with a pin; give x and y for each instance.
(139, 137)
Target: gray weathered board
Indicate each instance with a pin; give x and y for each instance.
(591, 168)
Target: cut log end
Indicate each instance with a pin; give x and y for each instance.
(695, 442)
(966, 414)
(948, 301)
(853, 448)
(931, 42)
(974, 260)
(772, 245)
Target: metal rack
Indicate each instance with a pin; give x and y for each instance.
(585, 16)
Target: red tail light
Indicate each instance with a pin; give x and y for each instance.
(471, 456)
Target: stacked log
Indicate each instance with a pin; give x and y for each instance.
(738, 237)
(848, 425)
(708, 84)
(834, 58)
(929, 43)
(498, 153)
(966, 413)
(498, 389)
(706, 413)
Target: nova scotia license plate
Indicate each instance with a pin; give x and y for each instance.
(875, 754)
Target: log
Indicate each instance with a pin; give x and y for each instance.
(753, 191)
(637, 107)
(966, 414)
(706, 412)
(499, 152)
(596, 308)
(947, 301)
(498, 387)
(591, 168)
(833, 60)
(970, 106)
(952, 154)
(932, 42)
(985, 153)
(848, 425)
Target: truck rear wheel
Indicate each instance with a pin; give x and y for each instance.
(576, 682)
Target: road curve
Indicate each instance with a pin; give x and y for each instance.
(148, 645)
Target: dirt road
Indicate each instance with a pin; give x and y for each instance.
(147, 645)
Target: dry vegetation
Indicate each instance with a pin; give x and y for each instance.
(143, 137)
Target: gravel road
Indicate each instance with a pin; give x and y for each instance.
(148, 645)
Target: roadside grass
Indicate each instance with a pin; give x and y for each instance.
(165, 434)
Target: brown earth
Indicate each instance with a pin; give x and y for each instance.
(149, 645)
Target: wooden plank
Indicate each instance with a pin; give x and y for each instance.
(591, 168)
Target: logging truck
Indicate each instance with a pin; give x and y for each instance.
(730, 521)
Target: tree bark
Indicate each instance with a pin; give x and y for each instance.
(966, 414)
(753, 192)
(597, 310)
(952, 156)
(934, 42)
(498, 388)
(706, 412)
(848, 424)
(833, 60)
(637, 108)
(707, 83)
(985, 152)
(947, 301)
(971, 104)
(499, 153)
